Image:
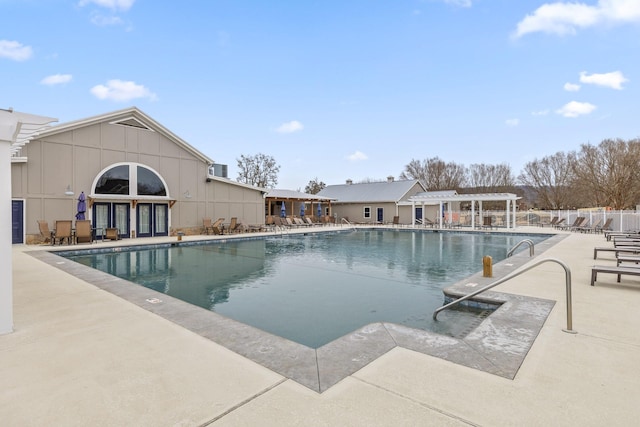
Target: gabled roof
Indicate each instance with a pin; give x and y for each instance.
(131, 116)
(385, 191)
(296, 195)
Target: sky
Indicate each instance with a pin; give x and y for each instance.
(336, 89)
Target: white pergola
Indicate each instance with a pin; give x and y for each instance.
(16, 129)
(427, 199)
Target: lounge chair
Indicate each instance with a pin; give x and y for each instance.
(47, 234)
(553, 222)
(619, 271)
(590, 228)
(635, 259)
(83, 231)
(62, 231)
(579, 220)
(604, 227)
(617, 250)
(559, 224)
(217, 227)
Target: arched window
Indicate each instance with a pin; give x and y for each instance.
(150, 184)
(130, 179)
(114, 181)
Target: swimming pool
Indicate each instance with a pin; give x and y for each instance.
(313, 289)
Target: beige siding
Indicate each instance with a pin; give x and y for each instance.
(77, 156)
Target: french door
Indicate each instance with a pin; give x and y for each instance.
(152, 219)
(111, 215)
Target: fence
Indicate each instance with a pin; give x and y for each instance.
(622, 220)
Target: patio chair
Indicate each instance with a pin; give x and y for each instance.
(233, 226)
(217, 226)
(111, 233)
(47, 234)
(206, 225)
(62, 231)
(83, 231)
(487, 222)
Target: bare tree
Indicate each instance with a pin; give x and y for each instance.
(435, 174)
(551, 178)
(260, 170)
(609, 173)
(314, 186)
(490, 178)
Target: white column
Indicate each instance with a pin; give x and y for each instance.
(6, 279)
(473, 214)
(440, 215)
(508, 214)
(514, 214)
(413, 213)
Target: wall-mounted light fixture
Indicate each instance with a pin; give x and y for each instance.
(68, 191)
(186, 194)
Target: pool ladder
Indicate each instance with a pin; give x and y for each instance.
(527, 241)
(511, 276)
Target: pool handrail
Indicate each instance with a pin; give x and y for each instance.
(527, 241)
(515, 274)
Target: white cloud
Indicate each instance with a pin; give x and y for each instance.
(540, 113)
(56, 79)
(575, 109)
(105, 21)
(118, 90)
(571, 87)
(290, 127)
(512, 122)
(565, 18)
(614, 80)
(110, 4)
(357, 156)
(14, 50)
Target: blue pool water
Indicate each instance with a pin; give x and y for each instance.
(313, 289)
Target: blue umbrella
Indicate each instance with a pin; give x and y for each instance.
(283, 211)
(82, 206)
(319, 209)
(301, 209)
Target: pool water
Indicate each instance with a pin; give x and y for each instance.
(316, 288)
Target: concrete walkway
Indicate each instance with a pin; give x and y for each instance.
(82, 356)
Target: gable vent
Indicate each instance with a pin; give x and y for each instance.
(132, 122)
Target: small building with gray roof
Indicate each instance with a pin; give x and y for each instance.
(373, 202)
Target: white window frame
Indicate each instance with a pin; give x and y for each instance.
(366, 215)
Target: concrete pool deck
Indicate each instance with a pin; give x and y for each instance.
(83, 356)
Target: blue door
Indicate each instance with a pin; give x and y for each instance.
(380, 214)
(17, 221)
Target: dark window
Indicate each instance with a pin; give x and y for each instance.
(114, 181)
(149, 184)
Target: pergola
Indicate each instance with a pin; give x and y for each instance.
(426, 199)
(16, 129)
(289, 198)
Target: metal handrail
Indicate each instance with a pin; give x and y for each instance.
(511, 276)
(527, 241)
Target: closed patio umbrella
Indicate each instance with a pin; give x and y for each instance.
(82, 206)
(319, 209)
(302, 209)
(283, 211)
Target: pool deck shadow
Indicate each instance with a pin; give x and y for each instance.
(498, 345)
